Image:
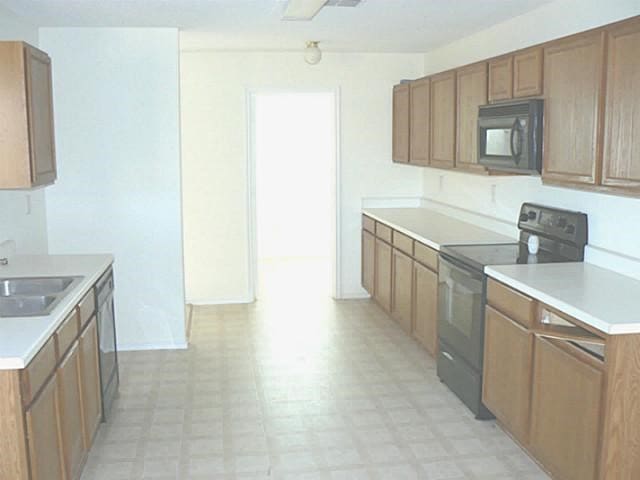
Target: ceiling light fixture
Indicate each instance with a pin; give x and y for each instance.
(312, 54)
(302, 9)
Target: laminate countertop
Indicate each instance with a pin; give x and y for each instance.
(434, 229)
(596, 296)
(22, 337)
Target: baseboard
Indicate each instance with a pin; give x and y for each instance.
(153, 346)
(232, 301)
(354, 296)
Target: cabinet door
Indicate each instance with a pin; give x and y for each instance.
(402, 289)
(368, 261)
(382, 287)
(572, 127)
(506, 388)
(443, 120)
(71, 412)
(425, 307)
(90, 382)
(45, 450)
(472, 92)
(565, 411)
(40, 105)
(501, 79)
(527, 73)
(621, 163)
(401, 123)
(419, 124)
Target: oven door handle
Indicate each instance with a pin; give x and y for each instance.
(460, 267)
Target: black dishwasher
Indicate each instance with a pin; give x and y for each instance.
(109, 377)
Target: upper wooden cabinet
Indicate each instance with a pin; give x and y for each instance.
(471, 93)
(27, 151)
(443, 119)
(527, 73)
(574, 74)
(501, 79)
(621, 155)
(419, 128)
(401, 123)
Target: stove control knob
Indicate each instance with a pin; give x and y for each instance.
(562, 222)
(570, 229)
(524, 217)
(532, 215)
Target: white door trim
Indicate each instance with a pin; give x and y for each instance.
(252, 245)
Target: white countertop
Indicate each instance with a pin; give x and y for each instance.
(598, 297)
(22, 337)
(434, 229)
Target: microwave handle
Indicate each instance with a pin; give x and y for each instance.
(515, 131)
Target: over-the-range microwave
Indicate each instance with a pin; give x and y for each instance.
(510, 136)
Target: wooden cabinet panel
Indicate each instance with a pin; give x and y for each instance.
(368, 261)
(443, 120)
(26, 113)
(425, 313)
(383, 232)
(403, 242)
(68, 379)
(402, 289)
(621, 159)
(419, 129)
(382, 289)
(86, 308)
(401, 123)
(368, 224)
(43, 432)
(426, 255)
(527, 73)
(67, 333)
(515, 305)
(472, 92)
(572, 125)
(36, 373)
(506, 389)
(565, 412)
(90, 382)
(500, 79)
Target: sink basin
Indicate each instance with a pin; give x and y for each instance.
(26, 306)
(33, 296)
(34, 286)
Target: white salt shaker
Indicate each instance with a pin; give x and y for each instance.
(533, 244)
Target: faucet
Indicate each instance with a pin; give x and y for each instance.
(4, 261)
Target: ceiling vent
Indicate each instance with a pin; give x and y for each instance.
(307, 9)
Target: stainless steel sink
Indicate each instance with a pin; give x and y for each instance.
(33, 296)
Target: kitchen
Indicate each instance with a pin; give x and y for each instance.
(95, 66)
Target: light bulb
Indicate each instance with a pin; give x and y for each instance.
(312, 54)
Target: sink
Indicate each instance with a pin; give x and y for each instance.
(33, 296)
(26, 306)
(34, 286)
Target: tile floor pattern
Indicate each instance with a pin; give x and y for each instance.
(301, 389)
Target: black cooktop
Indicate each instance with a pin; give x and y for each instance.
(479, 256)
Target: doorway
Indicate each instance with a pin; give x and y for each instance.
(293, 195)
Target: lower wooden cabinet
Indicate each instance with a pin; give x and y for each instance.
(402, 288)
(368, 261)
(425, 307)
(90, 382)
(69, 393)
(43, 433)
(506, 389)
(565, 410)
(382, 289)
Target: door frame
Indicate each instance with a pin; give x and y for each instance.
(252, 220)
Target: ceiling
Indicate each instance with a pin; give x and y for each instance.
(372, 26)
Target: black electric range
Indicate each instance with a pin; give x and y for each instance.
(561, 235)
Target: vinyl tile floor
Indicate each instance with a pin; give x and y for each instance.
(296, 387)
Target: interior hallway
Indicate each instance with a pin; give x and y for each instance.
(296, 386)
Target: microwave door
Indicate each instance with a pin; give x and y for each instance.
(498, 142)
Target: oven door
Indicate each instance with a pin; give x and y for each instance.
(461, 309)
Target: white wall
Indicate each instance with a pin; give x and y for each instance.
(117, 135)
(614, 222)
(214, 154)
(22, 213)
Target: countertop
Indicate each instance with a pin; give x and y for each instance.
(434, 229)
(22, 337)
(596, 296)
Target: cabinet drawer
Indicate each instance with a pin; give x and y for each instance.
(403, 243)
(67, 333)
(368, 224)
(513, 304)
(383, 232)
(426, 255)
(36, 373)
(87, 307)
